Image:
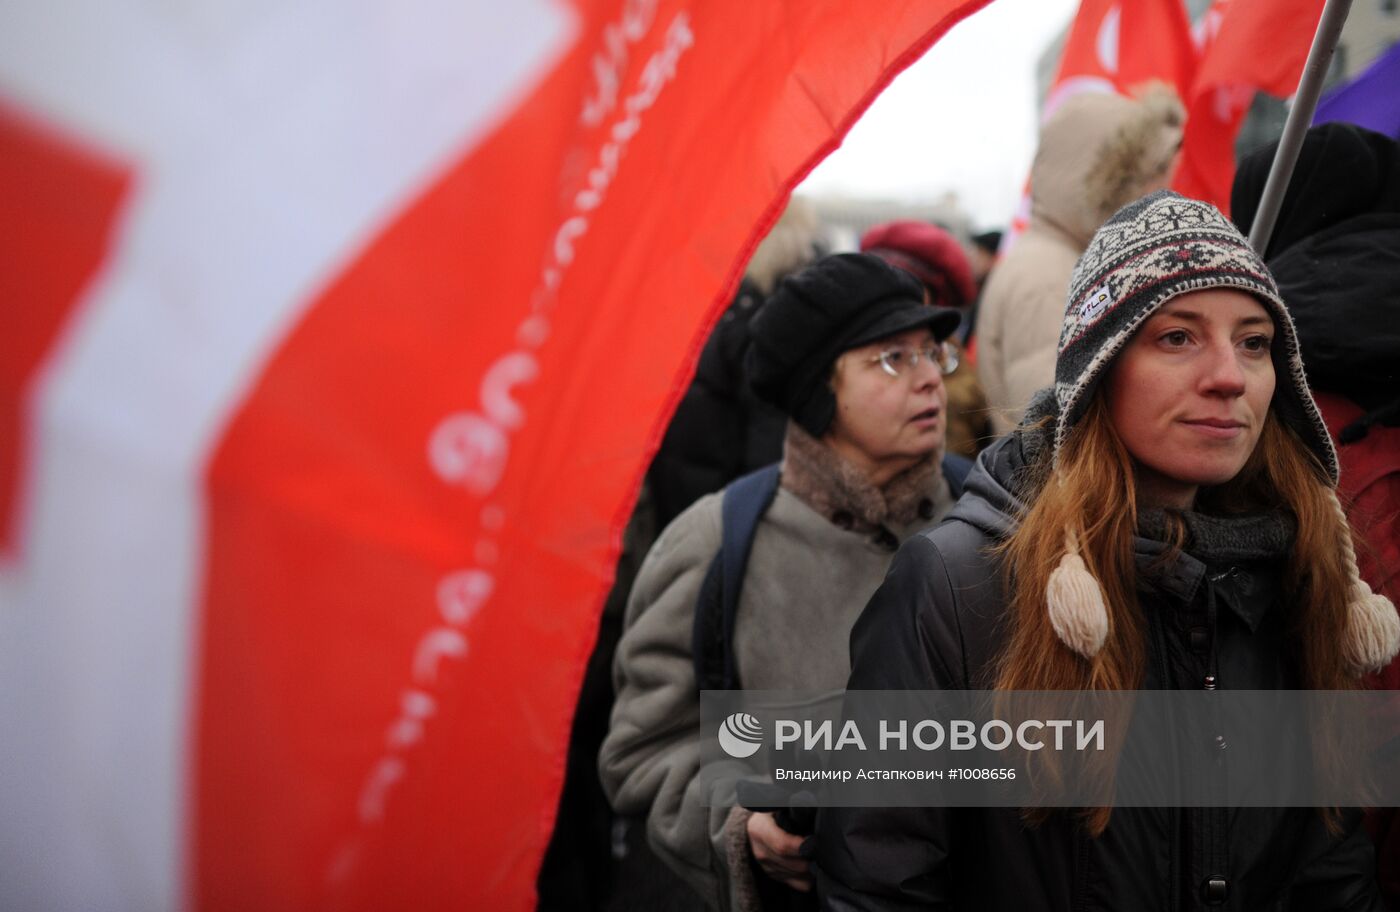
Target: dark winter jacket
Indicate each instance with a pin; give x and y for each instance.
(935, 624)
(1342, 286)
(720, 430)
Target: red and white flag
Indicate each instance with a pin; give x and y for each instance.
(335, 339)
(1114, 46)
(1117, 46)
(1238, 48)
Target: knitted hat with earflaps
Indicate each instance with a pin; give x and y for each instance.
(1155, 249)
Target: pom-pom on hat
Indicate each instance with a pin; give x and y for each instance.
(836, 304)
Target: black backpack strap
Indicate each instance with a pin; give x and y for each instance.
(955, 469)
(712, 638)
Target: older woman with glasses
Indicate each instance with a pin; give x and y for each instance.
(851, 353)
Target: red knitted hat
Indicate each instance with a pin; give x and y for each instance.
(930, 253)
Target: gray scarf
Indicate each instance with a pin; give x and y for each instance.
(1220, 540)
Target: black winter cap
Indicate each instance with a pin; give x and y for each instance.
(836, 304)
(989, 241)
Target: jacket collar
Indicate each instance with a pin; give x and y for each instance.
(1236, 557)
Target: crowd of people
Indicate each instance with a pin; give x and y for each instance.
(1134, 454)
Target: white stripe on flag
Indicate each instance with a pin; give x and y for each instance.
(270, 142)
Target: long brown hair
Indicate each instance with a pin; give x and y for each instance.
(1092, 491)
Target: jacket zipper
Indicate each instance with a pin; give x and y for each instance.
(1216, 854)
(1174, 859)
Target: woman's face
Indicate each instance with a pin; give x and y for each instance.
(885, 424)
(1189, 394)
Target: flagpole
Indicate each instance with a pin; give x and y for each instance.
(1300, 115)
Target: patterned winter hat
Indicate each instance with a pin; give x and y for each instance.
(1158, 248)
(1162, 246)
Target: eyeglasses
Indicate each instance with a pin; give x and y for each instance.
(900, 359)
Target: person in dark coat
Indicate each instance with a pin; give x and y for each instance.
(1138, 531)
(1335, 252)
(983, 256)
(721, 430)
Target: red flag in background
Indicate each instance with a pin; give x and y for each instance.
(326, 460)
(1246, 46)
(1115, 45)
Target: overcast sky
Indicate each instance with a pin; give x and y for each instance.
(962, 118)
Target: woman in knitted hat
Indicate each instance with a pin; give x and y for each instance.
(1164, 518)
(848, 349)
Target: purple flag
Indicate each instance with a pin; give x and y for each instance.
(1371, 100)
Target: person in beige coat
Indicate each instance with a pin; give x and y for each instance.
(849, 350)
(1097, 152)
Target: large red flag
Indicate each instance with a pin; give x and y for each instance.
(1247, 46)
(342, 333)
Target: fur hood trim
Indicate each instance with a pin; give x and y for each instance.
(1097, 152)
(1140, 150)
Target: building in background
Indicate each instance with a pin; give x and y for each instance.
(1373, 27)
(844, 218)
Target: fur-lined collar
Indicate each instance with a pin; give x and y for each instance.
(841, 492)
